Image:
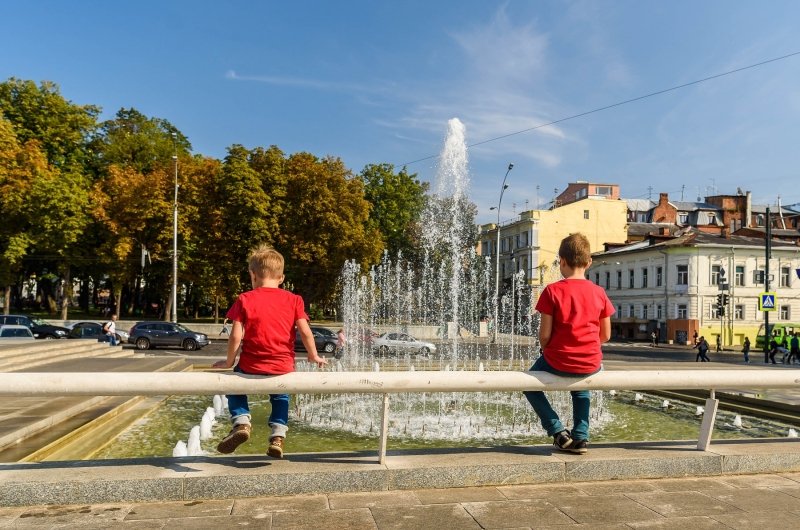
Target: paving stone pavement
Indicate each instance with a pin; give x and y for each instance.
(735, 501)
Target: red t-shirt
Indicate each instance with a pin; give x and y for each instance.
(576, 306)
(268, 315)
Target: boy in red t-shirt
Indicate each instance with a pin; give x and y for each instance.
(264, 321)
(576, 320)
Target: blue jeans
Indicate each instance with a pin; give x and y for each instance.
(581, 400)
(278, 418)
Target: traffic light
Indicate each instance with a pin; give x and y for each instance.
(721, 310)
(720, 300)
(724, 299)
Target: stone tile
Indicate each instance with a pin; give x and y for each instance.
(758, 481)
(618, 526)
(472, 475)
(748, 521)
(682, 504)
(794, 491)
(340, 501)
(143, 524)
(216, 522)
(539, 491)
(358, 519)
(449, 516)
(615, 486)
(456, 495)
(603, 509)
(756, 499)
(167, 510)
(791, 476)
(691, 484)
(98, 516)
(294, 504)
(680, 523)
(523, 513)
(9, 515)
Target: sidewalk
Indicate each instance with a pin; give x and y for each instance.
(741, 501)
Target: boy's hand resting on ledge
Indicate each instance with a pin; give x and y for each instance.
(222, 364)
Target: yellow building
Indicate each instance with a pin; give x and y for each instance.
(530, 242)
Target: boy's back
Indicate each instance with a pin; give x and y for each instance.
(268, 316)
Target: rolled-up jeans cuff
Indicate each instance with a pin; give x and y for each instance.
(278, 429)
(243, 419)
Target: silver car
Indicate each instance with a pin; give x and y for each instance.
(401, 342)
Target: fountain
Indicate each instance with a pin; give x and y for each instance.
(442, 295)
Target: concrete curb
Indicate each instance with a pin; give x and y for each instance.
(172, 479)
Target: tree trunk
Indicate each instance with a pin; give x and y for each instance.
(7, 300)
(168, 306)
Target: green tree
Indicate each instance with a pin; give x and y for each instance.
(397, 202)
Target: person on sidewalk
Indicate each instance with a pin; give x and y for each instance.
(794, 349)
(702, 349)
(575, 321)
(262, 336)
(719, 343)
(746, 350)
(110, 330)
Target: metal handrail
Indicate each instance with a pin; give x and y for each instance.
(319, 382)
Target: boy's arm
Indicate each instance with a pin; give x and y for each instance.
(234, 342)
(308, 341)
(545, 329)
(605, 329)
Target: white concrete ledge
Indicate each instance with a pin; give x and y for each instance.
(209, 383)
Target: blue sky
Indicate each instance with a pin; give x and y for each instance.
(374, 82)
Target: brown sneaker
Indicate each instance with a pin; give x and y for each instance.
(238, 435)
(275, 449)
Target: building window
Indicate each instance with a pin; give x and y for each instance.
(659, 276)
(619, 279)
(683, 218)
(597, 278)
(759, 219)
(715, 274)
(785, 274)
(586, 214)
(784, 312)
(738, 312)
(683, 275)
(631, 311)
(758, 276)
(644, 278)
(603, 190)
(525, 238)
(713, 310)
(630, 278)
(711, 218)
(659, 312)
(485, 248)
(739, 276)
(619, 311)
(682, 311)
(608, 280)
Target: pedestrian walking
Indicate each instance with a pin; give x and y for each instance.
(702, 349)
(719, 343)
(653, 339)
(746, 350)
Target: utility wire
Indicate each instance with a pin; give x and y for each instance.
(658, 92)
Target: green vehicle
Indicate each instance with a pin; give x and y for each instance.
(778, 330)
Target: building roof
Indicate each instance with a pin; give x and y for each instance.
(762, 208)
(639, 205)
(692, 238)
(644, 229)
(692, 206)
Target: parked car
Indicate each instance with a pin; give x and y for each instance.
(39, 328)
(146, 335)
(15, 331)
(93, 330)
(401, 342)
(324, 338)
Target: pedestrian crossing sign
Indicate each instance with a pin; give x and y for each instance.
(766, 302)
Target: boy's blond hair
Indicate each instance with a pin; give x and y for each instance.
(575, 250)
(266, 262)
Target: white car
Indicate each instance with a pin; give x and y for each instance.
(401, 342)
(16, 332)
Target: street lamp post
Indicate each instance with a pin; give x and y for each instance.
(175, 245)
(497, 253)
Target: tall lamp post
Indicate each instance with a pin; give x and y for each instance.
(497, 252)
(175, 242)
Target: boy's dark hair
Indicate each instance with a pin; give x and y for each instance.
(575, 250)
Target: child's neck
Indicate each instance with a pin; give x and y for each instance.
(266, 282)
(577, 273)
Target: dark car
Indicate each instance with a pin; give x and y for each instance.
(146, 335)
(93, 330)
(39, 328)
(324, 338)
